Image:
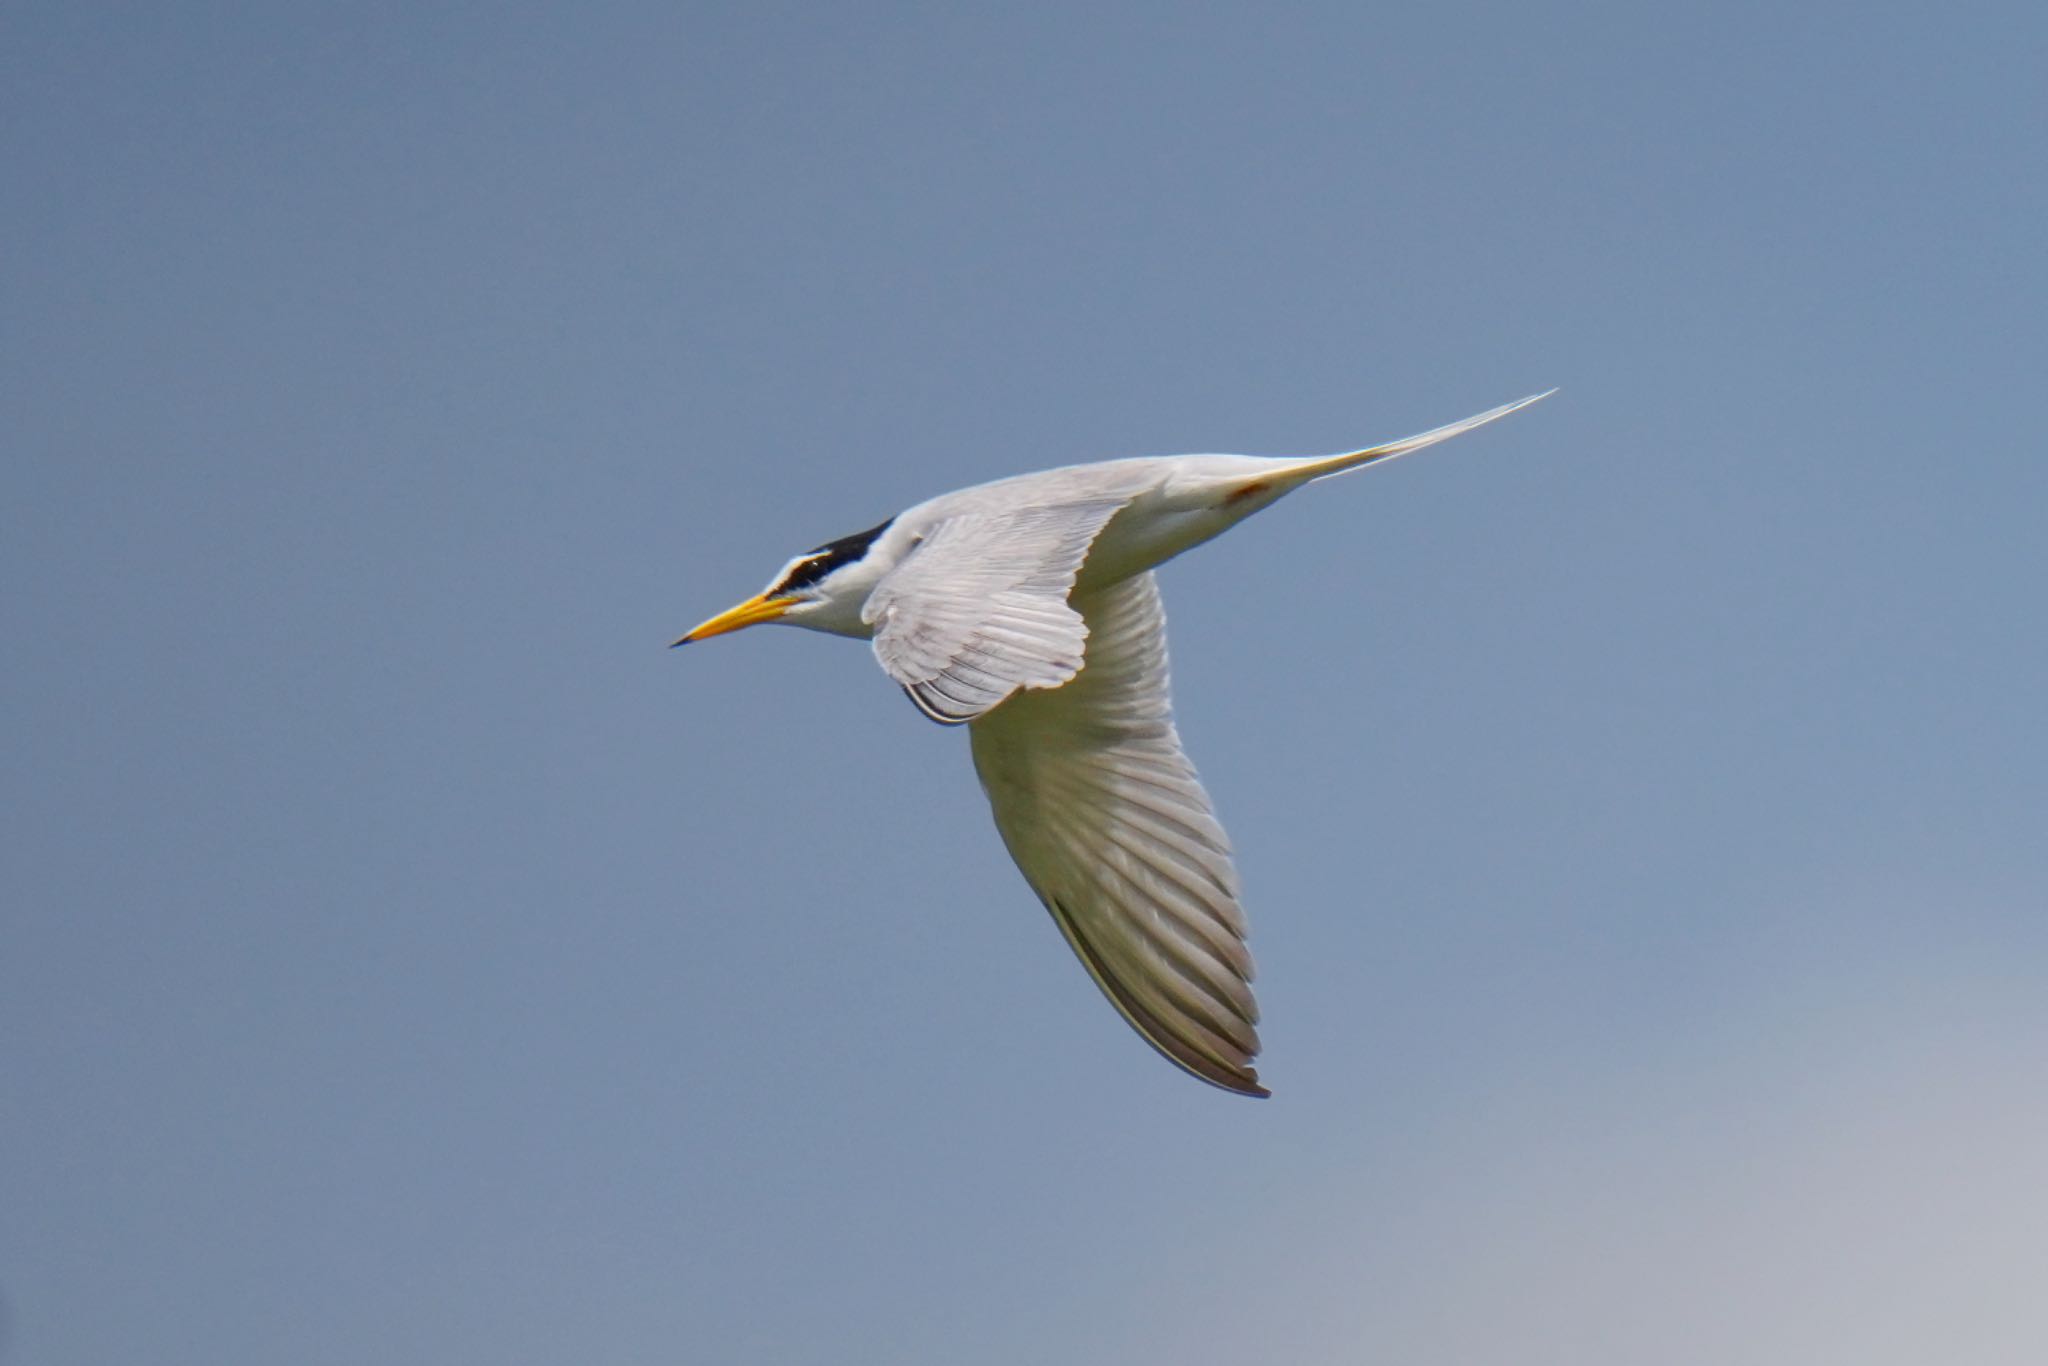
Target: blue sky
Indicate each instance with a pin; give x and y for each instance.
(1639, 803)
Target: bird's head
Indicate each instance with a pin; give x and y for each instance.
(823, 589)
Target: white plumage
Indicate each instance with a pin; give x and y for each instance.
(1026, 608)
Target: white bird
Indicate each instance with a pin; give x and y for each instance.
(1026, 609)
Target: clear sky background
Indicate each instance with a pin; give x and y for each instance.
(405, 958)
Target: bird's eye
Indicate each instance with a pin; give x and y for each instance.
(828, 557)
(806, 572)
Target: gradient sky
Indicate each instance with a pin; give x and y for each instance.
(404, 958)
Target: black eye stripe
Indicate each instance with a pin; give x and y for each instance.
(829, 557)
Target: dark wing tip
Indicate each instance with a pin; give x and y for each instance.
(918, 697)
(1242, 1082)
(1238, 1078)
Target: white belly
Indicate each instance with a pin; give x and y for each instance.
(1193, 506)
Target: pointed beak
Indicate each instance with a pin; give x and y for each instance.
(752, 612)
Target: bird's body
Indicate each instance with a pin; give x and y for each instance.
(1026, 608)
(1165, 504)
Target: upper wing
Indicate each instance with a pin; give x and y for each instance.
(1104, 815)
(979, 608)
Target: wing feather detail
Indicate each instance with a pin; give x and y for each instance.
(979, 609)
(1102, 811)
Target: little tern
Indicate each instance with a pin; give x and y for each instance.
(1026, 610)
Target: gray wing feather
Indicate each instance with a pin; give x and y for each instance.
(1103, 813)
(979, 609)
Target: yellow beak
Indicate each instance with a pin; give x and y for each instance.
(752, 612)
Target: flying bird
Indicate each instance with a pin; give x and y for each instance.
(1026, 610)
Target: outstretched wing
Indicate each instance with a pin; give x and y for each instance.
(1104, 815)
(979, 609)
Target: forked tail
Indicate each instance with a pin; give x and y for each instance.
(1324, 466)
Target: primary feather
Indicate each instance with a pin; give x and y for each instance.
(1102, 811)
